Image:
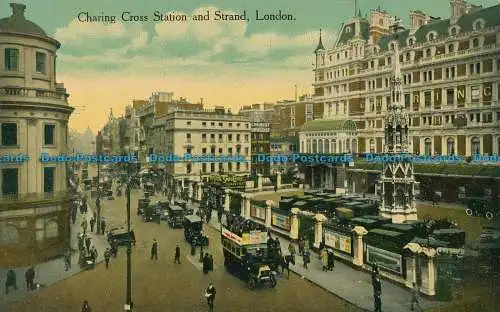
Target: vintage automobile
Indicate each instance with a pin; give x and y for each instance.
(120, 236)
(182, 203)
(152, 213)
(479, 206)
(193, 231)
(263, 276)
(164, 210)
(141, 205)
(176, 216)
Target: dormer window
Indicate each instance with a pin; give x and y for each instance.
(454, 30)
(348, 29)
(451, 48)
(392, 46)
(431, 37)
(478, 24)
(410, 42)
(428, 53)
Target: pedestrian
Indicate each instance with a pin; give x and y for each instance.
(277, 245)
(377, 302)
(210, 295)
(414, 298)
(93, 253)
(206, 264)
(81, 243)
(377, 293)
(301, 246)
(107, 256)
(331, 259)
(92, 224)
(103, 226)
(88, 241)
(306, 258)
(177, 254)
(30, 278)
(114, 248)
(67, 259)
(154, 250)
(324, 259)
(306, 245)
(86, 306)
(291, 249)
(84, 226)
(11, 281)
(210, 262)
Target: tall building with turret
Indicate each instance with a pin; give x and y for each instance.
(34, 113)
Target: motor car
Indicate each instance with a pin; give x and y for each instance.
(120, 236)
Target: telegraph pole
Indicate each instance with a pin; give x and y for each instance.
(128, 303)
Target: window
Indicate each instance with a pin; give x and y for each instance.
(188, 137)
(230, 137)
(221, 138)
(487, 117)
(188, 168)
(10, 181)
(237, 138)
(230, 151)
(204, 124)
(204, 167)
(407, 100)
(428, 53)
(372, 146)
(9, 134)
(428, 146)
(475, 94)
(220, 150)
(451, 48)
(246, 151)
(230, 124)
(450, 96)
(372, 105)
(220, 124)
(188, 123)
(230, 166)
(212, 167)
(212, 151)
(40, 62)
(427, 98)
(238, 167)
(246, 137)
(48, 179)
(475, 42)
(203, 136)
(389, 60)
(204, 150)
(221, 167)
(475, 146)
(410, 42)
(11, 59)
(431, 36)
(49, 134)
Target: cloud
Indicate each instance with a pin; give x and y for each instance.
(208, 47)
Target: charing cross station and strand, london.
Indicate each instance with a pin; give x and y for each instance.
(384, 177)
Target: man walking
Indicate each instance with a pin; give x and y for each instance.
(210, 294)
(107, 256)
(84, 225)
(154, 250)
(103, 226)
(30, 278)
(11, 281)
(377, 293)
(92, 224)
(88, 241)
(177, 254)
(414, 298)
(67, 259)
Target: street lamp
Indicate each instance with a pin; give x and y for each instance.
(128, 302)
(98, 199)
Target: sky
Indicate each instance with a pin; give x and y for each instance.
(106, 65)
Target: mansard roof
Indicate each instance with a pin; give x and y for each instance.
(329, 125)
(441, 27)
(348, 32)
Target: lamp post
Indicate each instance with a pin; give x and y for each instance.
(128, 302)
(98, 199)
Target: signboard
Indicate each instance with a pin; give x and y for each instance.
(337, 241)
(230, 235)
(254, 238)
(281, 221)
(230, 181)
(258, 212)
(459, 252)
(260, 127)
(385, 259)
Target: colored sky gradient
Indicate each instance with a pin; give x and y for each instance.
(226, 63)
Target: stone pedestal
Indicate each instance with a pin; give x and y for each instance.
(248, 205)
(259, 182)
(294, 224)
(358, 248)
(318, 229)
(427, 257)
(278, 180)
(227, 200)
(269, 211)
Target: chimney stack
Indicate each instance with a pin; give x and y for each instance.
(18, 9)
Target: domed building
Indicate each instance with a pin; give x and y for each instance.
(34, 113)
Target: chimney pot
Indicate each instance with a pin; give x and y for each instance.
(18, 9)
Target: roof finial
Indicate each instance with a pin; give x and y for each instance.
(320, 43)
(18, 9)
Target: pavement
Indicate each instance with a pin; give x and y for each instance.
(53, 271)
(353, 286)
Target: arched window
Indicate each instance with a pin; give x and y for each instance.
(308, 146)
(302, 147)
(407, 56)
(400, 197)
(431, 36)
(327, 146)
(334, 146)
(315, 146)
(475, 146)
(372, 64)
(451, 48)
(410, 42)
(341, 146)
(354, 146)
(392, 46)
(389, 60)
(450, 147)
(372, 146)
(453, 31)
(320, 146)
(428, 53)
(428, 146)
(478, 25)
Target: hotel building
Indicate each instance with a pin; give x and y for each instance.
(450, 67)
(202, 132)
(34, 113)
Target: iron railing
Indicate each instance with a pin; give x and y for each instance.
(33, 197)
(33, 92)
